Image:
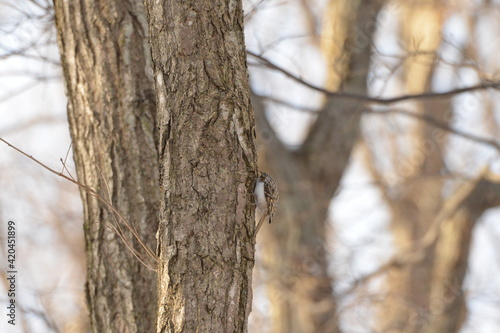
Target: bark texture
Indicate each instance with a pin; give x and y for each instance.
(111, 111)
(207, 165)
(296, 256)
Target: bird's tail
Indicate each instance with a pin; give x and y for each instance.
(259, 224)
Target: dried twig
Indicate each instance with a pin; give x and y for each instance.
(129, 226)
(106, 202)
(383, 101)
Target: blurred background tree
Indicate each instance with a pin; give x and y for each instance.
(386, 221)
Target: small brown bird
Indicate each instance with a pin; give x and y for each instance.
(266, 195)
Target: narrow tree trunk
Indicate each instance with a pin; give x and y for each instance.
(207, 163)
(427, 295)
(462, 209)
(111, 110)
(295, 245)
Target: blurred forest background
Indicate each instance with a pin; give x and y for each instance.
(379, 121)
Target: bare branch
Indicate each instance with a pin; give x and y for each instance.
(433, 121)
(101, 199)
(383, 101)
(129, 226)
(430, 120)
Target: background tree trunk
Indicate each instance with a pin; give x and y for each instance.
(295, 245)
(431, 221)
(207, 166)
(414, 208)
(111, 110)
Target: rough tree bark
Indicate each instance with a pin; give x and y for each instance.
(111, 111)
(296, 259)
(207, 165)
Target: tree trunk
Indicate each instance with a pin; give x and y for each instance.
(207, 166)
(417, 201)
(426, 294)
(460, 213)
(111, 111)
(296, 256)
